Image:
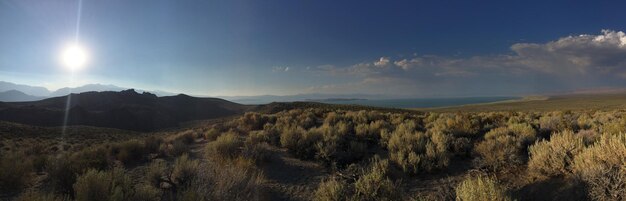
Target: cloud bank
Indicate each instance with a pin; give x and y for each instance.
(569, 63)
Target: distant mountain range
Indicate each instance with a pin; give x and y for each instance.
(33, 93)
(316, 97)
(11, 92)
(127, 109)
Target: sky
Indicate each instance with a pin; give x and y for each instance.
(433, 48)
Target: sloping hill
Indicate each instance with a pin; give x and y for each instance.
(15, 95)
(124, 110)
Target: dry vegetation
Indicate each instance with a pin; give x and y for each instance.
(331, 154)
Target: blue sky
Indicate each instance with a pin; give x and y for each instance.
(395, 48)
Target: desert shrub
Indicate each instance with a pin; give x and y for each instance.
(128, 152)
(62, 175)
(332, 189)
(238, 180)
(554, 157)
(63, 170)
(585, 121)
(589, 136)
(337, 147)
(211, 134)
(272, 134)
(615, 126)
(255, 150)
(145, 192)
(185, 170)
(459, 125)
(226, 146)
(415, 151)
(480, 188)
(505, 146)
(39, 196)
(252, 121)
(187, 137)
(96, 185)
(177, 148)
(461, 146)
(500, 152)
(300, 142)
(602, 167)
(39, 162)
(557, 121)
(374, 183)
(155, 173)
(190, 195)
(92, 157)
(13, 173)
(152, 144)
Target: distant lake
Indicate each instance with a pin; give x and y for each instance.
(420, 102)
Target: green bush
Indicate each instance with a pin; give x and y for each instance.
(554, 157)
(480, 189)
(602, 167)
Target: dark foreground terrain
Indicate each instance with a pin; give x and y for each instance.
(312, 151)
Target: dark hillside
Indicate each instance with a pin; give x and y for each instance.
(124, 110)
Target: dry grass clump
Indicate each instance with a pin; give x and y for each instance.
(602, 167)
(554, 157)
(480, 188)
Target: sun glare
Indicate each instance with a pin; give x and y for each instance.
(74, 57)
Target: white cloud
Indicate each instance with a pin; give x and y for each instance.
(280, 69)
(383, 61)
(572, 61)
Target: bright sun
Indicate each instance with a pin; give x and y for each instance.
(74, 57)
